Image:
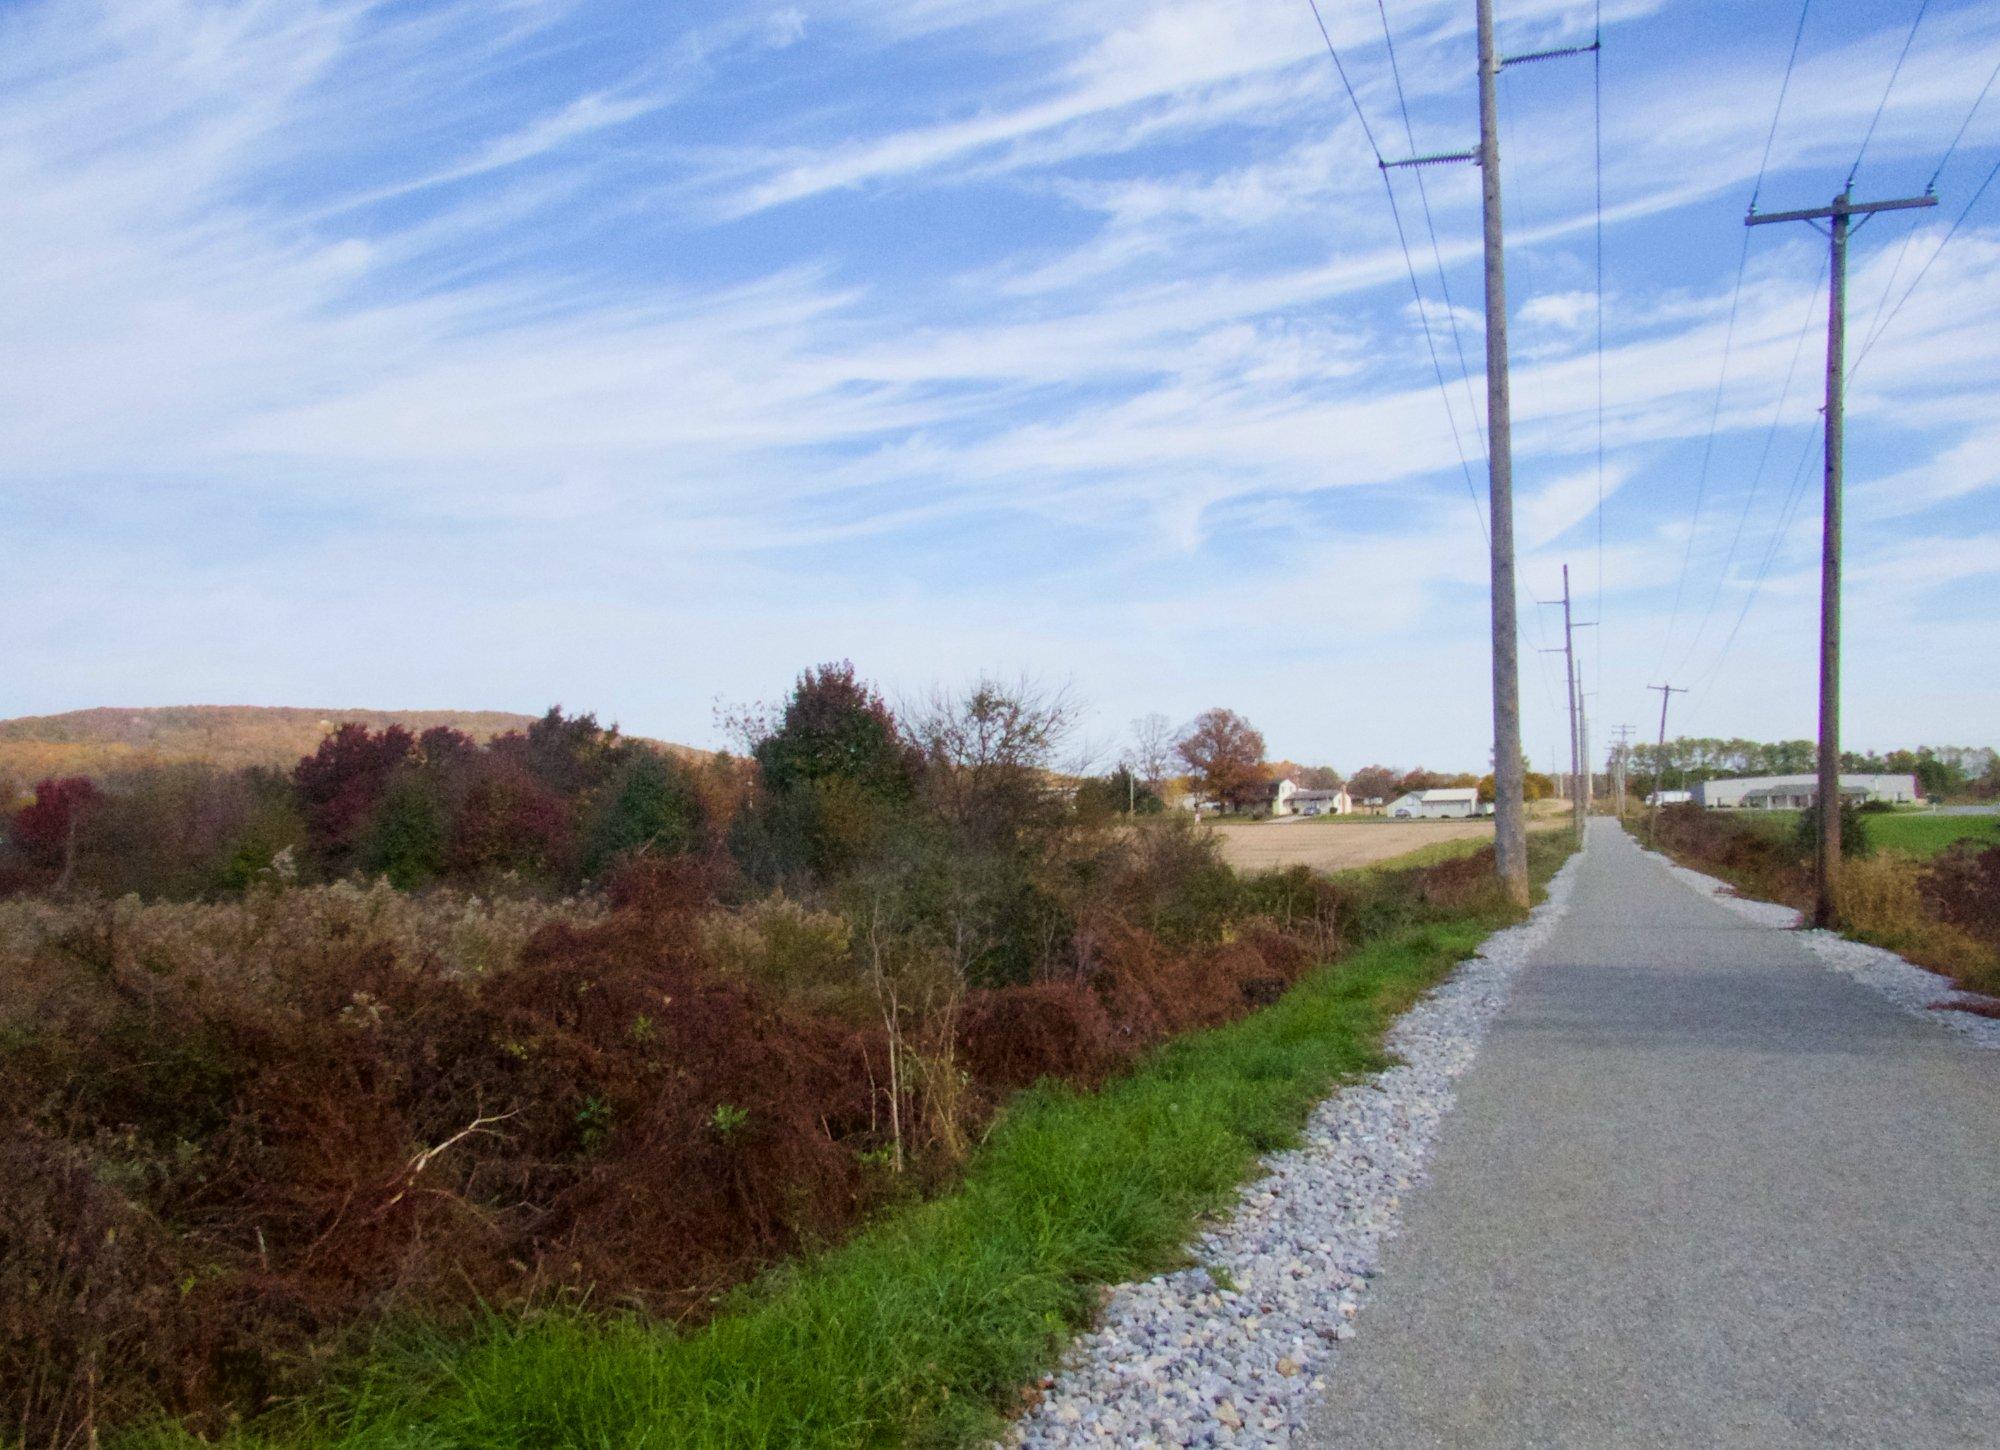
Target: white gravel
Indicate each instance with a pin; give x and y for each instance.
(1235, 1353)
(1909, 986)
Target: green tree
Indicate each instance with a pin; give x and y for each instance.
(408, 833)
(650, 805)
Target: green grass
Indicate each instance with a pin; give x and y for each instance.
(1914, 833)
(922, 1330)
(1918, 834)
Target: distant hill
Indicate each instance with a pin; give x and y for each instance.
(102, 741)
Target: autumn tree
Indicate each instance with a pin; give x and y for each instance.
(341, 783)
(1372, 782)
(46, 829)
(1225, 755)
(835, 769)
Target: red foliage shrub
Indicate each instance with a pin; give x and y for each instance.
(511, 821)
(1962, 885)
(45, 829)
(208, 1175)
(200, 1181)
(1012, 1037)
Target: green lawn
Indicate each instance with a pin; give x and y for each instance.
(1926, 835)
(923, 1329)
(1914, 833)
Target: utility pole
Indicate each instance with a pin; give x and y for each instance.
(1579, 747)
(1510, 823)
(1510, 828)
(1837, 230)
(1667, 692)
(1619, 764)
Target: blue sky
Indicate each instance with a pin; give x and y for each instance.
(502, 352)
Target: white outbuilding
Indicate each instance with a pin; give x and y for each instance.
(1799, 792)
(1444, 804)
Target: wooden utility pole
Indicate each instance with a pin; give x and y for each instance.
(1510, 829)
(1667, 692)
(1579, 735)
(1619, 763)
(1510, 826)
(1837, 230)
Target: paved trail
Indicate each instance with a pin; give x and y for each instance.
(1698, 1191)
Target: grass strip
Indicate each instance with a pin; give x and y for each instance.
(923, 1329)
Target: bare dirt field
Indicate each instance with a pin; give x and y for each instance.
(1330, 846)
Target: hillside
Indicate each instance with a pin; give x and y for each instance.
(101, 741)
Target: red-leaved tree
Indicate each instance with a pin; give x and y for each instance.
(45, 830)
(341, 783)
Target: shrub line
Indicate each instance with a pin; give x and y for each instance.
(925, 1328)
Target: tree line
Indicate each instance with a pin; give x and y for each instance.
(1942, 771)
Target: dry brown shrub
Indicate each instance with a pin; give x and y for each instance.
(1893, 901)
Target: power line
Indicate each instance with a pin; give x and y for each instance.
(1950, 150)
(1729, 339)
(1787, 512)
(1757, 478)
(1894, 71)
(1423, 196)
(1409, 264)
(1957, 222)
(1771, 136)
(1876, 322)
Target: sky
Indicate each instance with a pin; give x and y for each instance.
(501, 353)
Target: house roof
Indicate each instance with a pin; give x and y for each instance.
(1446, 795)
(1319, 795)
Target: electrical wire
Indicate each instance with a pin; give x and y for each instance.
(1409, 263)
(1881, 105)
(1875, 322)
(1922, 272)
(1437, 255)
(1763, 460)
(1787, 512)
(1728, 345)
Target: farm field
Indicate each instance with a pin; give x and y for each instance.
(1345, 845)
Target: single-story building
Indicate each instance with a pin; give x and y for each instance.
(1334, 802)
(1446, 803)
(1669, 797)
(1800, 792)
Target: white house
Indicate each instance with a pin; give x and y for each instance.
(1336, 802)
(1448, 803)
(1799, 792)
(1669, 797)
(1275, 797)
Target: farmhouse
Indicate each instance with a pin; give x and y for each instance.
(1447, 803)
(1335, 802)
(1274, 796)
(1799, 792)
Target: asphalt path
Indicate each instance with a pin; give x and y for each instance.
(1698, 1190)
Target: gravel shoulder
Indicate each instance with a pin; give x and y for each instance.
(1234, 1351)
